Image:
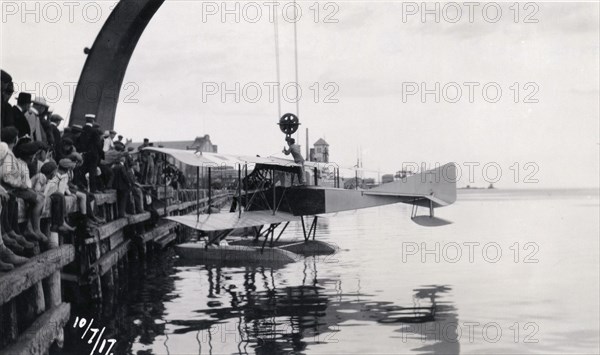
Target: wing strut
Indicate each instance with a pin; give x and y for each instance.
(312, 230)
(424, 220)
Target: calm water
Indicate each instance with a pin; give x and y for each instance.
(517, 272)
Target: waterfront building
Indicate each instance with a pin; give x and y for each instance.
(321, 151)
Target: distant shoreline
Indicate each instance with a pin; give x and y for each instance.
(593, 190)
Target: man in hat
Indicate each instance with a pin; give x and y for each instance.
(23, 105)
(109, 141)
(73, 133)
(90, 144)
(110, 157)
(65, 147)
(123, 183)
(33, 120)
(40, 104)
(144, 157)
(55, 120)
(6, 110)
(119, 146)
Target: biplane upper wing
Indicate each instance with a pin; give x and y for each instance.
(232, 220)
(193, 158)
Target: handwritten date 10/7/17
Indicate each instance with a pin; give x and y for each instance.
(95, 334)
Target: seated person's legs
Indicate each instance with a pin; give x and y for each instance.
(34, 211)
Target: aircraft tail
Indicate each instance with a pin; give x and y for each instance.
(431, 188)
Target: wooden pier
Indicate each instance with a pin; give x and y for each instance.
(33, 313)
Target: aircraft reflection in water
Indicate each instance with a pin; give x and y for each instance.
(254, 311)
(281, 319)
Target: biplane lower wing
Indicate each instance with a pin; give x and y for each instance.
(232, 220)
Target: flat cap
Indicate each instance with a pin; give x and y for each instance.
(29, 148)
(48, 167)
(56, 117)
(40, 101)
(66, 163)
(75, 157)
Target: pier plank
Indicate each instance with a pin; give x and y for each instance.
(165, 240)
(116, 239)
(106, 230)
(38, 268)
(137, 218)
(105, 198)
(158, 232)
(106, 262)
(38, 338)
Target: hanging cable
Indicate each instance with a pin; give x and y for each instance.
(276, 24)
(296, 59)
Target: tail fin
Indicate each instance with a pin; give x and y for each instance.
(436, 185)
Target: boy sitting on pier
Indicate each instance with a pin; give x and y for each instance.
(15, 179)
(7, 258)
(60, 184)
(58, 207)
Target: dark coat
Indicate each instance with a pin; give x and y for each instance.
(55, 133)
(121, 179)
(20, 122)
(47, 131)
(7, 115)
(90, 142)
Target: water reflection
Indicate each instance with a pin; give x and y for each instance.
(253, 309)
(282, 319)
(133, 312)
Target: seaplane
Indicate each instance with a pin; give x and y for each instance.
(269, 198)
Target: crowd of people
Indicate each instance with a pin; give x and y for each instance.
(39, 163)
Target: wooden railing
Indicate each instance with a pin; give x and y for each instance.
(31, 299)
(32, 311)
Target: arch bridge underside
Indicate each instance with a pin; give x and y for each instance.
(100, 82)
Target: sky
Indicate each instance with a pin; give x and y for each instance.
(362, 67)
